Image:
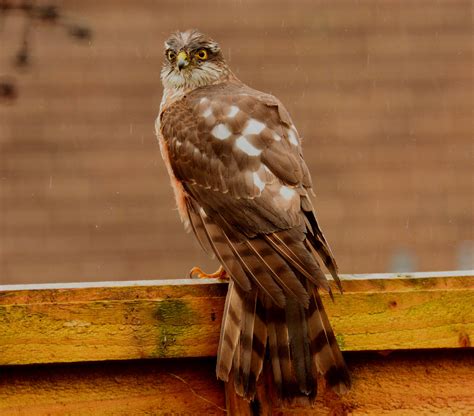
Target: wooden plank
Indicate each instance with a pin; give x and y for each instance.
(132, 388)
(422, 383)
(181, 318)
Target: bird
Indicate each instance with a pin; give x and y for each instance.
(235, 162)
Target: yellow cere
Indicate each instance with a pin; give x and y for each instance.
(182, 55)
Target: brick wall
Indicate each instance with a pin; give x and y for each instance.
(380, 91)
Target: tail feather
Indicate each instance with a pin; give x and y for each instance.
(230, 331)
(259, 344)
(273, 299)
(279, 346)
(301, 343)
(238, 383)
(246, 337)
(300, 347)
(324, 348)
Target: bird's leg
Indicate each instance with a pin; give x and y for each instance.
(197, 273)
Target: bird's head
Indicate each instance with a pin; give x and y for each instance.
(192, 60)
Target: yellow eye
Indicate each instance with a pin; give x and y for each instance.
(202, 54)
(171, 55)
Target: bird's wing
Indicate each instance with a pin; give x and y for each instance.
(238, 156)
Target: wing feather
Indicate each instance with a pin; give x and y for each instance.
(279, 269)
(255, 269)
(217, 241)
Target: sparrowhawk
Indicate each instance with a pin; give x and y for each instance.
(236, 166)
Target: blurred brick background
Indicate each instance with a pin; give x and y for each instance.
(381, 92)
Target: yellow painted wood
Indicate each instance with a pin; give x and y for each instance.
(154, 319)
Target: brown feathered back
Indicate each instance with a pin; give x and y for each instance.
(236, 165)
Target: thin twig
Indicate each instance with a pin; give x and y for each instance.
(196, 394)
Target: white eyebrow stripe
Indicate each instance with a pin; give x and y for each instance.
(258, 182)
(253, 127)
(233, 110)
(292, 137)
(243, 144)
(221, 132)
(287, 193)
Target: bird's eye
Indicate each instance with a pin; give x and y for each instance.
(171, 55)
(201, 54)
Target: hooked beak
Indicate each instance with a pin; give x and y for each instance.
(182, 60)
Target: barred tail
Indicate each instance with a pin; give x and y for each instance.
(273, 298)
(300, 341)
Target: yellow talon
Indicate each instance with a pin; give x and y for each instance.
(197, 273)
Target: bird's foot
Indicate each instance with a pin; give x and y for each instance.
(197, 273)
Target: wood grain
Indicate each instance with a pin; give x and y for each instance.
(164, 319)
(132, 388)
(403, 383)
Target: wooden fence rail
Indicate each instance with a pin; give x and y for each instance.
(115, 326)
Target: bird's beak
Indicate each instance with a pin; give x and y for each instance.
(182, 60)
